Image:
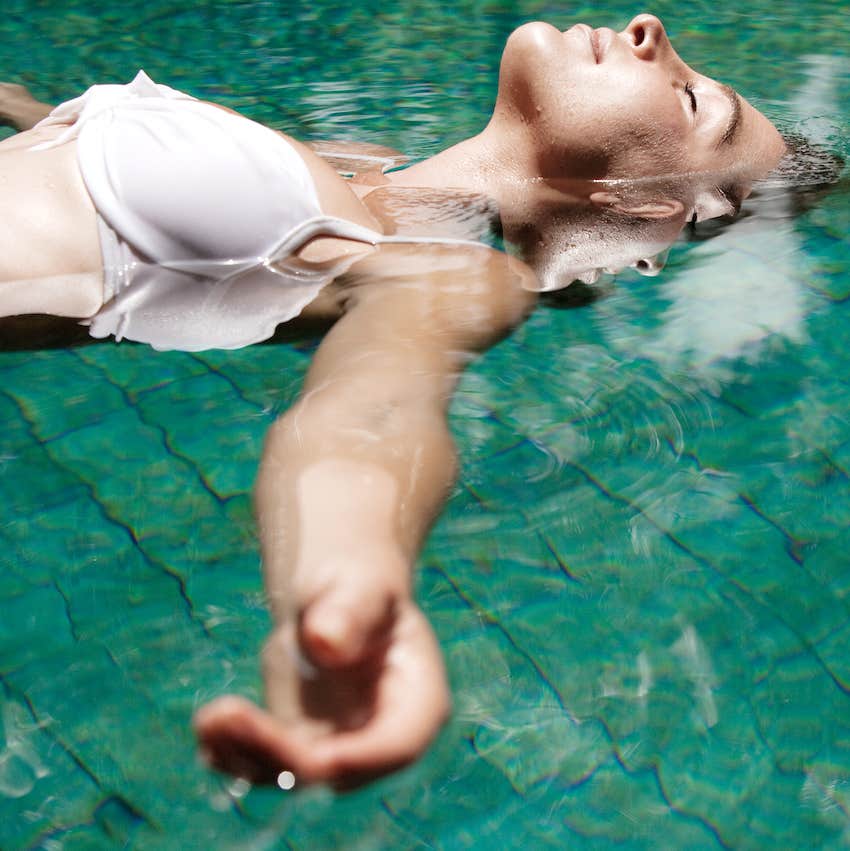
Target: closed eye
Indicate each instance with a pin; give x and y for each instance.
(689, 91)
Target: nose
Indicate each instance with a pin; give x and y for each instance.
(647, 37)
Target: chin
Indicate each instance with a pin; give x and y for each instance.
(530, 43)
(532, 53)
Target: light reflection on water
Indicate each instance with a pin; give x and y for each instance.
(640, 582)
(733, 296)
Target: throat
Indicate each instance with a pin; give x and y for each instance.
(476, 165)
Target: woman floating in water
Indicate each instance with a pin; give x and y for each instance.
(158, 218)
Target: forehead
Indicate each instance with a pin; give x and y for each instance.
(745, 140)
(756, 145)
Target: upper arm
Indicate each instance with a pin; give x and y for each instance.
(416, 318)
(377, 391)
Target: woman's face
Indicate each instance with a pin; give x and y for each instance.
(598, 104)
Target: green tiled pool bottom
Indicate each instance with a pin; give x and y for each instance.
(645, 627)
(640, 582)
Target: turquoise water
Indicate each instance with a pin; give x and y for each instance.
(641, 579)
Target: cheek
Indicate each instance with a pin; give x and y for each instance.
(626, 125)
(609, 143)
(652, 149)
(584, 123)
(648, 139)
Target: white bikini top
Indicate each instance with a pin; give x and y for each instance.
(203, 194)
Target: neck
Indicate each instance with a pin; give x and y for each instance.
(485, 164)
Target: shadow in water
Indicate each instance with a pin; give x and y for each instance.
(33, 333)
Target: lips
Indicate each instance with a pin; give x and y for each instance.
(600, 41)
(594, 45)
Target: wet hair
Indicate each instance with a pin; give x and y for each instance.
(807, 164)
(803, 176)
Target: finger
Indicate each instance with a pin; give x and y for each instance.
(346, 625)
(387, 743)
(413, 702)
(244, 740)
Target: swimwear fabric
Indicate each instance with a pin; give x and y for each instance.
(201, 211)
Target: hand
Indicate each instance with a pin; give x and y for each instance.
(348, 725)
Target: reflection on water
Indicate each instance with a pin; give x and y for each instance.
(641, 583)
(733, 294)
(816, 104)
(21, 766)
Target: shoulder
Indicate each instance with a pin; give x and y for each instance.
(464, 296)
(336, 196)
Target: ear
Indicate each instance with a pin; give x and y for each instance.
(712, 205)
(659, 208)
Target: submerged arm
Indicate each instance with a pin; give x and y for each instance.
(351, 480)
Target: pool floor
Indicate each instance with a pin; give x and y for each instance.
(641, 579)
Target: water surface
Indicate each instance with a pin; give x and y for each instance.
(641, 579)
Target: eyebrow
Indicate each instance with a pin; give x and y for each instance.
(734, 118)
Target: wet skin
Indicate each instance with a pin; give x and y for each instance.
(585, 105)
(355, 684)
(607, 105)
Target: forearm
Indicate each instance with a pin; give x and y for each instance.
(350, 482)
(337, 485)
(355, 685)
